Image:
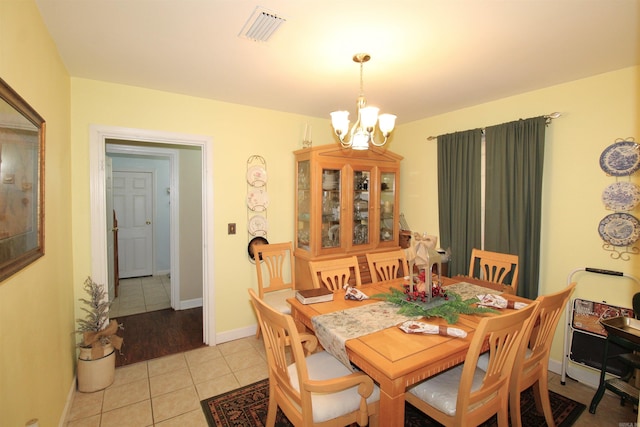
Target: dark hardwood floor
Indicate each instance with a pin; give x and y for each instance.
(159, 333)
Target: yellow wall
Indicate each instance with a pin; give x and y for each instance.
(237, 132)
(37, 343)
(595, 112)
(37, 316)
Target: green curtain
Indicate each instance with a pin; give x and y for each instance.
(459, 156)
(513, 193)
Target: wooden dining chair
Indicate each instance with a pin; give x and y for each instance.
(316, 389)
(335, 274)
(532, 361)
(466, 395)
(276, 275)
(494, 267)
(387, 265)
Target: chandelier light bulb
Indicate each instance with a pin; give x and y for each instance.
(363, 131)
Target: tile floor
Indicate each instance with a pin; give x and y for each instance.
(167, 391)
(142, 294)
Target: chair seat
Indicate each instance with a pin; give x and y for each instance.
(323, 366)
(441, 391)
(278, 300)
(483, 360)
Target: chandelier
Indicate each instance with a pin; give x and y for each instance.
(364, 128)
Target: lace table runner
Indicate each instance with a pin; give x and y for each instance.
(334, 329)
(468, 290)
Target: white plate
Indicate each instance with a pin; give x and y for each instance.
(619, 229)
(258, 225)
(257, 176)
(621, 196)
(257, 200)
(620, 158)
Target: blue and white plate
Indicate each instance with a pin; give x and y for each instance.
(621, 196)
(620, 158)
(619, 229)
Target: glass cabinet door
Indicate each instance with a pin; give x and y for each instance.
(361, 199)
(331, 205)
(304, 205)
(387, 200)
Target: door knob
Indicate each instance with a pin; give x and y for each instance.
(148, 222)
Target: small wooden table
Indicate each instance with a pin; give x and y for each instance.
(393, 359)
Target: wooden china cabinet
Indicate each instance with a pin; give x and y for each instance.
(346, 204)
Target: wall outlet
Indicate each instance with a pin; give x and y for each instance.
(231, 228)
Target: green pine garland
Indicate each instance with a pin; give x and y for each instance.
(449, 309)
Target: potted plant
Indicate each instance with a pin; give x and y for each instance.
(97, 359)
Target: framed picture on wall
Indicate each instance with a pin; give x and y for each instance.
(22, 134)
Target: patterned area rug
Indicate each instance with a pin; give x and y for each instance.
(247, 407)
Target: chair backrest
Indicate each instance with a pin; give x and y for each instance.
(504, 335)
(534, 354)
(274, 267)
(387, 265)
(335, 273)
(495, 267)
(283, 347)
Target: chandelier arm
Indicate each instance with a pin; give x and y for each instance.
(373, 141)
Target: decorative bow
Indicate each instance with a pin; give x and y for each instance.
(94, 339)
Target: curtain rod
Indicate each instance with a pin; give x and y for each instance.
(548, 117)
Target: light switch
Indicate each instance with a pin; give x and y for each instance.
(231, 228)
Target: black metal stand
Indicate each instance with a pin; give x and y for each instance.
(619, 386)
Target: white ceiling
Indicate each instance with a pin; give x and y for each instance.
(428, 56)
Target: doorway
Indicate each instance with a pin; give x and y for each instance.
(99, 135)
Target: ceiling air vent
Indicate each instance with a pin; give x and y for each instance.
(261, 25)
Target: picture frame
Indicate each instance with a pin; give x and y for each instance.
(22, 137)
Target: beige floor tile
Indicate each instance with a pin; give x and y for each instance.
(191, 419)
(126, 394)
(175, 403)
(86, 404)
(136, 415)
(202, 354)
(250, 375)
(158, 306)
(243, 359)
(217, 386)
(209, 370)
(93, 421)
(132, 301)
(231, 347)
(166, 364)
(130, 373)
(171, 381)
(128, 311)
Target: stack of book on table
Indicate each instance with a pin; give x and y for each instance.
(311, 296)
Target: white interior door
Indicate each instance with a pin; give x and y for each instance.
(133, 203)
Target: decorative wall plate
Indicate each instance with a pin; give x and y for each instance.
(620, 158)
(257, 176)
(619, 229)
(257, 200)
(621, 196)
(256, 241)
(258, 225)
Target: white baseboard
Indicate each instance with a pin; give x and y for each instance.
(236, 334)
(69, 403)
(190, 303)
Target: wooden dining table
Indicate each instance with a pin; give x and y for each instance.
(394, 359)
